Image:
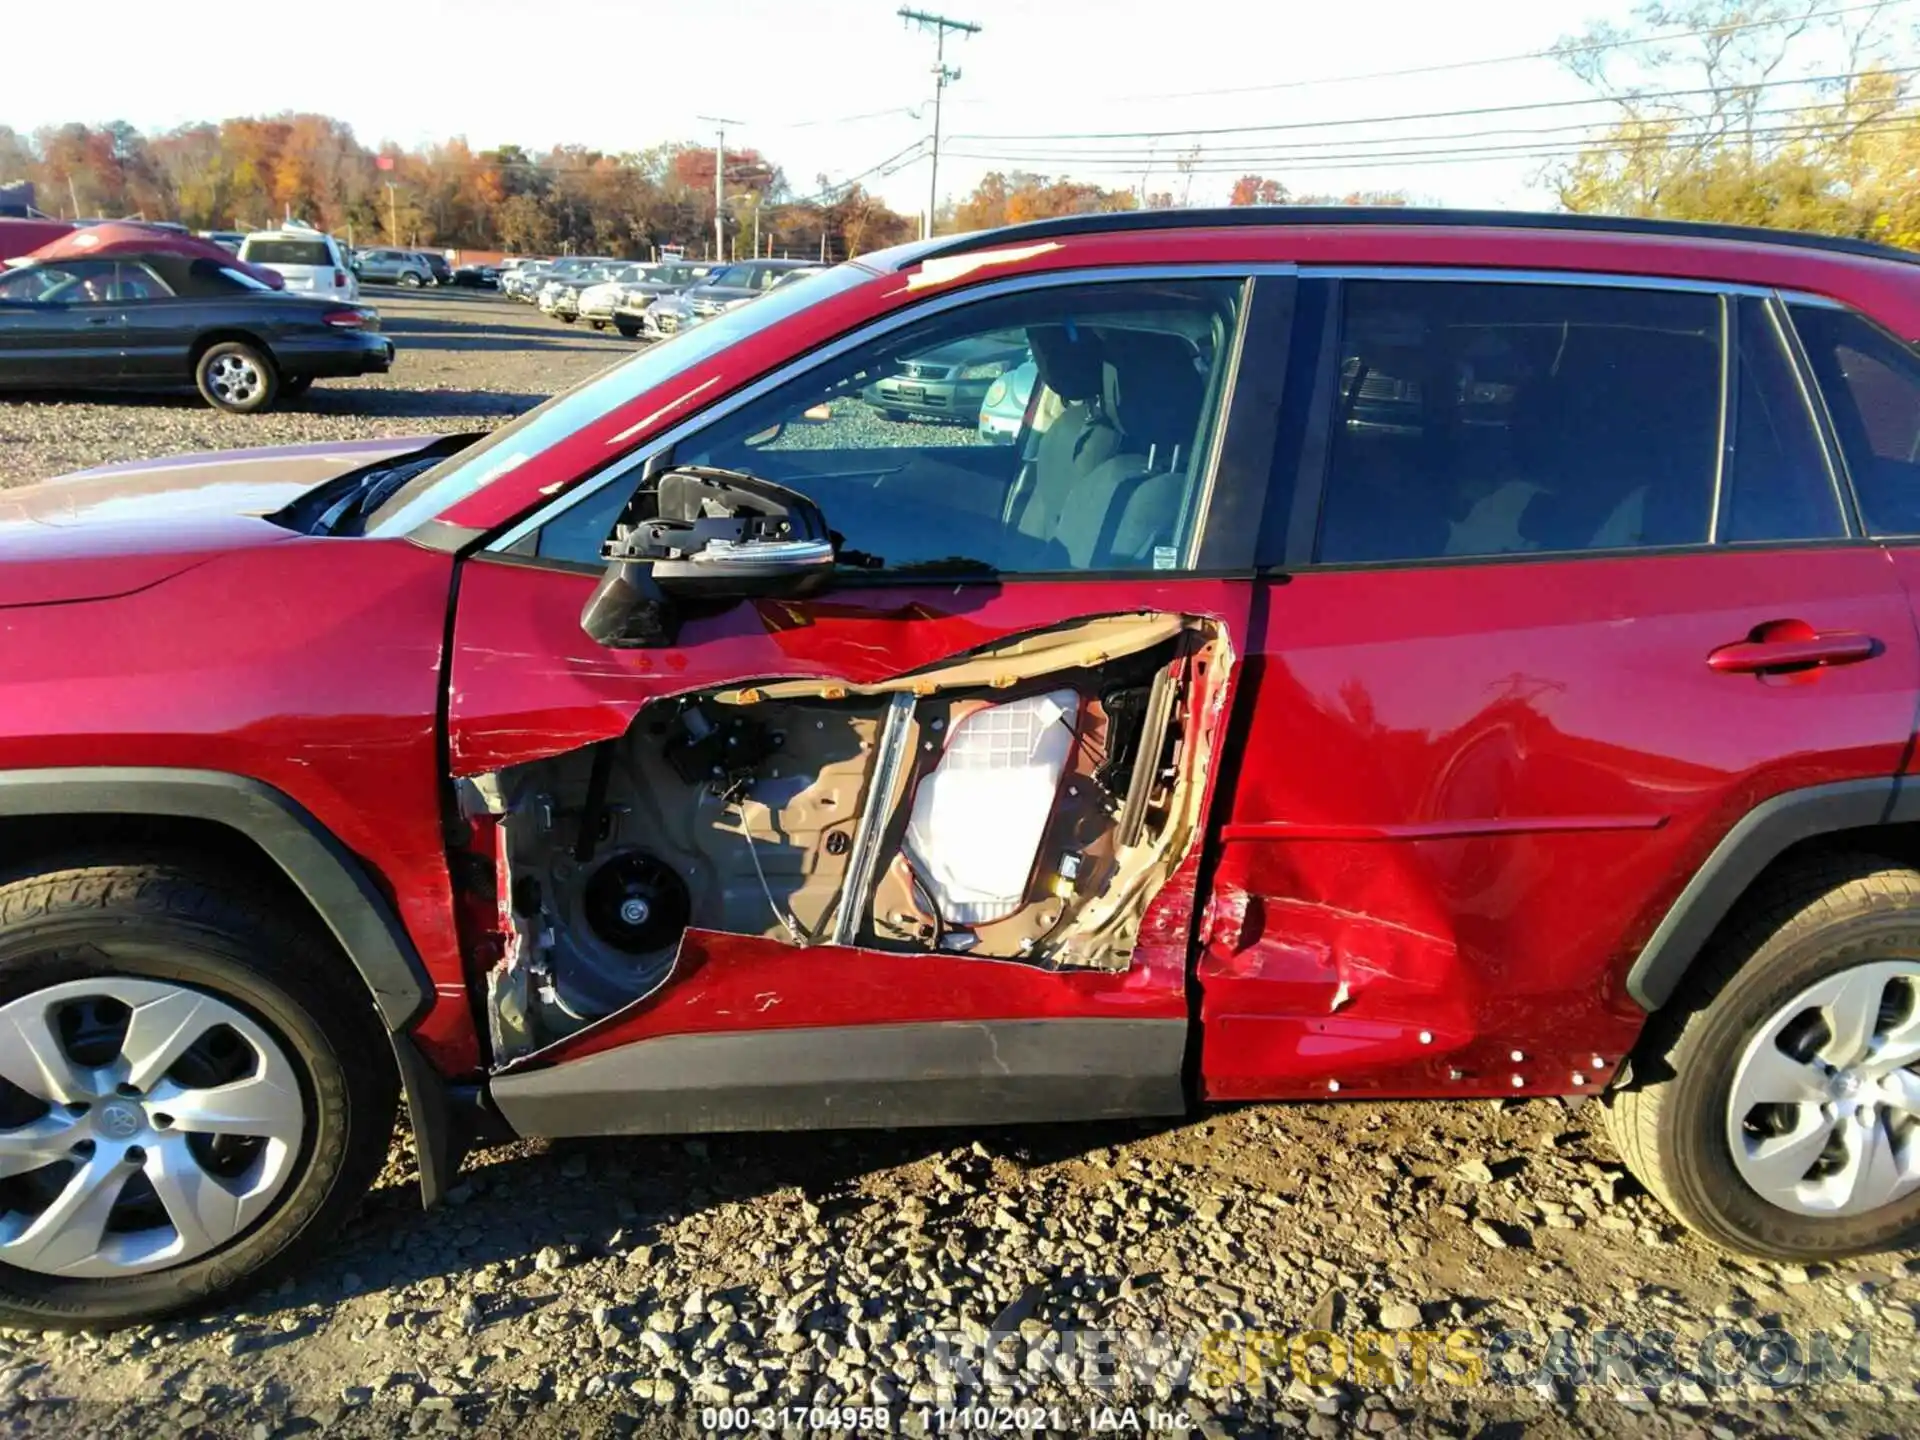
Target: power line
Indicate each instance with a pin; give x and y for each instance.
(1062, 154)
(1285, 154)
(1590, 47)
(1377, 160)
(1585, 101)
(899, 160)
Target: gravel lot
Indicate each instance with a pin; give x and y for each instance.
(628, 1286)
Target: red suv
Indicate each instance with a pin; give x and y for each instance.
(1402, 654)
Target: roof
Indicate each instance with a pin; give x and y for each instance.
(1275, 216)
(126, 240)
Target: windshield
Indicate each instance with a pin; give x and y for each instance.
(738, 275)
(544, 426)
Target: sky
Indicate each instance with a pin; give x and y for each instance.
(834, 87)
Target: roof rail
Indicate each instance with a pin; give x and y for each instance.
(1107, 222)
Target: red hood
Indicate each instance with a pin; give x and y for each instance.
(121, 528)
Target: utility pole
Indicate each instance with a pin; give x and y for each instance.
(942, 77)
(719, 123)
(393, 215)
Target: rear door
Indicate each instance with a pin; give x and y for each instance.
(1869, 382)
(1550, 563)
(776, 1007)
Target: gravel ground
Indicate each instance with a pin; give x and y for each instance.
(647, 1286)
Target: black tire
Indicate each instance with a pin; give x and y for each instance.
(1802, 924)
(632, 332)
(569, 319)
(259, 396)
(153, 920)
(409, 280)
(598, 324)
(899, 417)
(293, 385)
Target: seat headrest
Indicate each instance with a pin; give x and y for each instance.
(1067, 360)
(1152, 388)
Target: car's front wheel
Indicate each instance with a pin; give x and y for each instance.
(192, 1092)
(627, 328)
(410, 281)
(237, 378)
(1776, 1107)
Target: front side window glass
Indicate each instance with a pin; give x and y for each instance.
(72, 282)
(1478, 419)
(1058, 430)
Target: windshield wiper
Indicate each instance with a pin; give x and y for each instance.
(348, 514)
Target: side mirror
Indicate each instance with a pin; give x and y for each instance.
(703, 536)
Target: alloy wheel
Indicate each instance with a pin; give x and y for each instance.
(142, 1124)
(1824, 1113)
(235, 379)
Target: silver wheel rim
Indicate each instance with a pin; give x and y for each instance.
(234, 378)
(1824, 1114)
(144, 1154)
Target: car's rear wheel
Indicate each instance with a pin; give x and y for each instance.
(631, 331)
(236, 377)
(192, 1093)
(1776, 1108)
(410, 281)
(598, 324)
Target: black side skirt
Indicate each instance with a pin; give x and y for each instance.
(866, 1076)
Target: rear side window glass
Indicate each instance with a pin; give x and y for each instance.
(1500, 419)
(1779, 487)
(288, 252)
(1871, 382)
(136, 282)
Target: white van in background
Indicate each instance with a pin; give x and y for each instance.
(312, 263)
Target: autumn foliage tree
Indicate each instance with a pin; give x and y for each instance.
(1723, 128)
(1257, 190)
(258, 170)
(1010, 199)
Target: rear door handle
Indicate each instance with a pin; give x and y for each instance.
(1785, 645)
(100, 319)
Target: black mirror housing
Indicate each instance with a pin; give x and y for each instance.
(701, 535)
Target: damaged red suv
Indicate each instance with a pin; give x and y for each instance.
(1400, 654)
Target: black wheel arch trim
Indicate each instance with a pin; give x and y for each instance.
(333, 881)
(1760, 837)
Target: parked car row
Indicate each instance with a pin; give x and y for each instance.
(645, 299)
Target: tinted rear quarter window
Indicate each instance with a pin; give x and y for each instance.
(1871, 382)
(1495, 419)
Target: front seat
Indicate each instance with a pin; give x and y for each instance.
(1080, 439)
(1125, 514)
